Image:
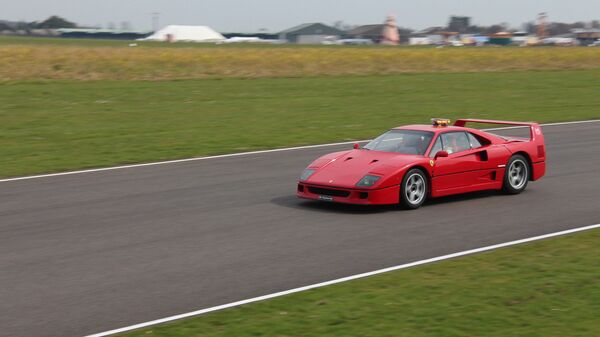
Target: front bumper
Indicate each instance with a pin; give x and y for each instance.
(382, 196)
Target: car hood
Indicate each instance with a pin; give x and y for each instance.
(345, 169)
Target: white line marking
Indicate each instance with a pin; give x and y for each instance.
(340, 280)
(240, 154)
(177, 161)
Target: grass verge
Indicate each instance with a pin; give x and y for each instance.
(548, 288)
(50, 126)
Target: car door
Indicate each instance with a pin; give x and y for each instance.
(460, 168)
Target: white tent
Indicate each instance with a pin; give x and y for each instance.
(186, 33)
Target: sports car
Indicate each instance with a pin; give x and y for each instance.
(409, 164)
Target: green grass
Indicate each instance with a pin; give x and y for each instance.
(548, 288)
(50, 126)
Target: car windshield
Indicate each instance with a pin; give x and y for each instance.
(402, 141)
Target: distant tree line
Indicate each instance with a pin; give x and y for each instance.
(53, 22)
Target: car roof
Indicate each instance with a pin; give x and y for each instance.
(430, 128)
(439, 129)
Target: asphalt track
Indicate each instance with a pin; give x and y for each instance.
(86, 253)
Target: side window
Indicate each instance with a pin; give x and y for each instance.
(475, 143)
(436, 147)
(455, 142)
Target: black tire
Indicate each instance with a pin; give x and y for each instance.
(413, 189)
(516, 175)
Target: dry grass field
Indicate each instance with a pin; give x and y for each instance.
(56, 61)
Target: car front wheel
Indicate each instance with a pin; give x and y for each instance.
(413, 191)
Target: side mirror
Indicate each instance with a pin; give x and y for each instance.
(356, 146)
(441, 154)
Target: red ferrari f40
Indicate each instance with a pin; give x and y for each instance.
(409, 164)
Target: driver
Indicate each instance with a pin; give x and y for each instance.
(413, 144)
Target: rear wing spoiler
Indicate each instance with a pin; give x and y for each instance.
(534, 128)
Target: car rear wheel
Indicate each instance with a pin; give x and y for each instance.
(516, 175)
(413, 191)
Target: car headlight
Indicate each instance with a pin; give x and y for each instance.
(368, 180)
(306, 174)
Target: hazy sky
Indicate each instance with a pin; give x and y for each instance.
(275, 15)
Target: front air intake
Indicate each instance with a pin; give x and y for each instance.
(329, 192)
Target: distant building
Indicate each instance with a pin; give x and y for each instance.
(522, 38)
(587, 37)
(310, 33)
(371, 32)
(459, 24)
(501, 38)
(374, 33)
(428, 31)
